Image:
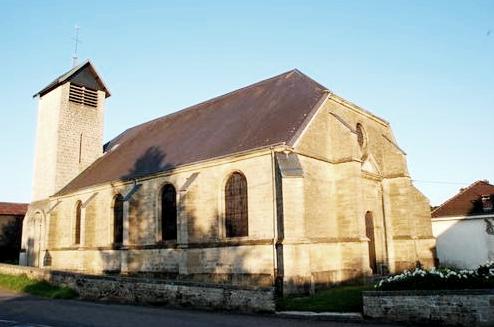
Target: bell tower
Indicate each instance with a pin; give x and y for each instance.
(69, 134)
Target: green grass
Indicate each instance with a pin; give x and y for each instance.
(36, 287)
(337, 299)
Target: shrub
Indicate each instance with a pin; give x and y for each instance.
(42, 288)
(444, 279)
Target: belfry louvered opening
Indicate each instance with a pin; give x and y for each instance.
(82, 95)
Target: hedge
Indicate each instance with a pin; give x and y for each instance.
(444, 279)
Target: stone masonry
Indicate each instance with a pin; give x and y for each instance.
(444, 308)
(152, 291)
(69, 138)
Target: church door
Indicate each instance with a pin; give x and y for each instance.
(369, 231)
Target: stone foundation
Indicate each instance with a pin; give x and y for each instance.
(153, 291)
(446, 308)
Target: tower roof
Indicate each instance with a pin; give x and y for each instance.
(267, 113)
(84, 75)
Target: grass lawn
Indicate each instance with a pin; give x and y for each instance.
(36, 287)
(337, 299)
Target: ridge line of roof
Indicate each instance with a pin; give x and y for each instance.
(219, 97)
(214, 99)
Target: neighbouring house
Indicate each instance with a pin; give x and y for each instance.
(11, 216)
(464, 227)
(281, 183)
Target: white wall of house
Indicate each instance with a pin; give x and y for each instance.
(463, 241)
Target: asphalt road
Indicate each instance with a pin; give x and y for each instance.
(29, 311)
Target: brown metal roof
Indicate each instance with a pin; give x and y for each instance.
(13, 209)
(467, 202)
(269, 112)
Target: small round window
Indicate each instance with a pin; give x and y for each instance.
(360, 135)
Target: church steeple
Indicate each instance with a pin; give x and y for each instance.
(69, 134)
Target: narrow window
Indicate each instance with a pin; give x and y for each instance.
(80, 149)
(78, 223)
(360, 135)
(369, 231)
(168, 213)
(236, 218)
(118, 206)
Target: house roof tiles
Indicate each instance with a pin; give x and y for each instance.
(467, 202)
(13, 209)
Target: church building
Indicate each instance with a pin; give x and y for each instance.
(280, 183)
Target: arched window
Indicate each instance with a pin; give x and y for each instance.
(78, 209)
(369, 231)
(236, 218)
(168, 213)
(118, 207)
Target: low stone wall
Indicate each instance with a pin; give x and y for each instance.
(31, 272)
(447, 308)
(153, 291)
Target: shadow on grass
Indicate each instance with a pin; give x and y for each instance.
(36, 287)
(337, 299)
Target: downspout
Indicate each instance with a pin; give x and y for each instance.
(275, 218)
(385, 225)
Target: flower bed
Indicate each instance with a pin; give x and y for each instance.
(440, 279)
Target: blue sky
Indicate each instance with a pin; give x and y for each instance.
(425, 66)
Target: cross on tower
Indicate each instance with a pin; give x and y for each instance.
(76, 43)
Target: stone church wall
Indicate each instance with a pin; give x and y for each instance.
(201, 251)
(46, 151)
(344, 181)
(80, 136)
(68, 140)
